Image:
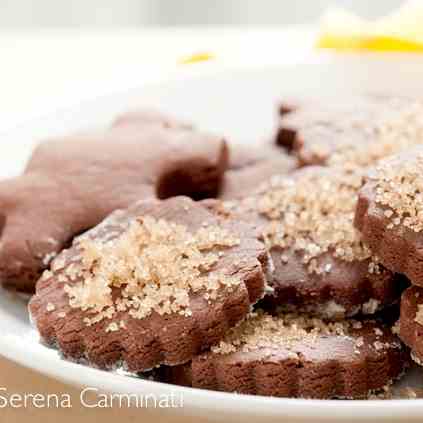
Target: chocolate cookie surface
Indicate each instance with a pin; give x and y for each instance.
(250, 166)
(156, 283)
(297, 356)
(71, 184)
(319, 263)
(390, 213)
(349, 132)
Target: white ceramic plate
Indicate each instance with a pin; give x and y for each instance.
(240, 104)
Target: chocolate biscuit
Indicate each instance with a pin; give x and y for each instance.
(319, 263)
(297, 356)
(70, 184)
(250, 166)
(154, 284)
(355, 131)
(390, 213)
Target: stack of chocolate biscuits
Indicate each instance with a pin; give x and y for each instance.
(389, 216)
(274, 270)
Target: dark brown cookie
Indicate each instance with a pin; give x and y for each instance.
(156, 283)
(71, 184)
(349, 132)
(320, 264)
(250, 166)
(297, 356)
(390, 213)
(411, 322)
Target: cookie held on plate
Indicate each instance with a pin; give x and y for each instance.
(70, 184)
(291, 355)
(154, 284)
(353, 131)
(390, 213)
(319, 263)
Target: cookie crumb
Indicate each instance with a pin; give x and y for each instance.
(112, 327)
(384, 394)
(50, 307)
(378, 332)
(359, 342)
(410, 392)
(371, 306)
(379, 345)
(396, 328)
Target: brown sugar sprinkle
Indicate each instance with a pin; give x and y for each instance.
(112, 327)
(380, 345)
(261, 330)
(313, 214)
(386, 135)
(155, 264)
(396, 328)
(371, 306)
(399, 187)
(50, 307)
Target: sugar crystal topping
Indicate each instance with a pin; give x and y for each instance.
(313, 214)
(382, 136)
(154, 265)
(399, 187)
(261, 330)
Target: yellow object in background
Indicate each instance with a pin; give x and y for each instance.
(196, 58)
(401, 30)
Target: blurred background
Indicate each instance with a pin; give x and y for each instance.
(134, 13)
(57, 52)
